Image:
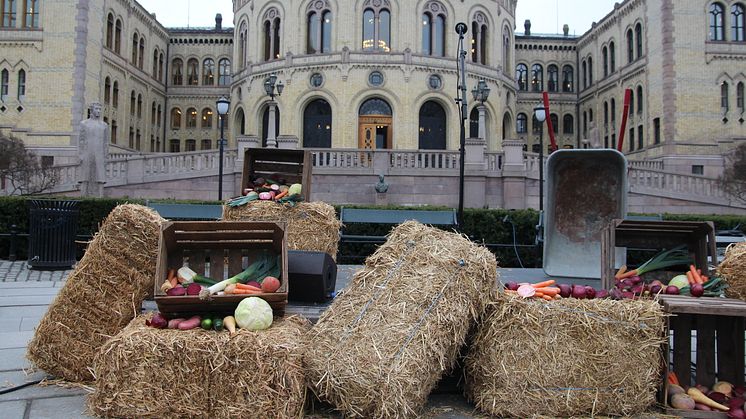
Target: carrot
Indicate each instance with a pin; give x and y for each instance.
(240, 291)
(627, 274)
(690, 278)
(695, 275)
(543, 284)
(549, 290)
(705, 279)
(539, 294)
(171, 278)
(672, 378)
(548, 298)
(247, 287)
(230, 288)
(280, 195)
(699, 271)
(621, 271)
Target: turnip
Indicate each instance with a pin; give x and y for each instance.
(672, 290)
(565, 290)
(723, 387)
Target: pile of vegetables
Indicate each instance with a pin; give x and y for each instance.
(273, 188)
(549, 290)
(252, 313)
(722, 397)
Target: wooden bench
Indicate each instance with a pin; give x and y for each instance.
(378, 216)
(195, 212)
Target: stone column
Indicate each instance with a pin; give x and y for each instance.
(287, 142)
(514, 175)
(271, 134)
(482, 122)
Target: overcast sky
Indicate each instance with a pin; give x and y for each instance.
(547, 16)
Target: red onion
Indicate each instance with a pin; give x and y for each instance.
(590, 292)
(655, 289)
(697, 290)
(157, 321)
(510, 285)
(672, 290)
(635, 279)
(565, 290)
(176, 291)
(602, 294)
(736, 414)
(735, 403)
(578, 291)
(193, 289)
(717, 396)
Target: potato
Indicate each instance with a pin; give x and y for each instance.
(682, 401)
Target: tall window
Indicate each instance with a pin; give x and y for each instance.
(724, 95)
(110, 31)
(174, 146)
(206, 121)
(584, 66)
(479, 38)
(118, 37)
(613, 115)
(521, 76)
(155, 63)
(319, 34)
(243, 36)
(377, 26)
(9, 13)
(107, 91)
(590, 71)
(433, 29)
(631, 102)
(158, 117)
(473, 123)
(139, 106)
(639, 99)
(131, 143)
(552, 78)
(240, 121)
(175, 118)
(639, 136)
(141, 53)
(568, 79)
(113, 131)
(507, 50)
(271, 34)
(115, 94)
(160, 67)
(536, 126)
(737, 22)
(630, 46)
(656, 131)
(432, 126)
(521, 123)
(537, 78)
(138, 145)
(177, 75)
(555, 122)
(739, 97)
(4, 81)
(612, 57)
(606, 116)
(568, 124)
(152, 113)
(317, 124)
(638, 39)
(631, 139)
(191, 118)
(31, 14)
(605, 58)
(206, 144)
(135, 44)
(208, 72)
(224, 72)
(132, 103)
(192, 72)
(716, 22)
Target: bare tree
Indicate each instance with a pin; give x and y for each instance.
(21, 171)
(733, 180)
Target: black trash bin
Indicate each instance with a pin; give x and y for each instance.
(53, 226)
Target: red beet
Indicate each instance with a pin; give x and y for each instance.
(717, 396)
(672, 290)
(697, 290)
(739, 390)
(176, 291)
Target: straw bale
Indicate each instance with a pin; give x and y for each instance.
(100, 297)
(733, 269)
(159, 373)
(566, 358)
(388, 337)
(311, 226)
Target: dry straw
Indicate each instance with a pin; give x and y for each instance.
(733, 269)
(159, 373)
(566, 358)
(311, 226)
(102, 294)
(383, 344)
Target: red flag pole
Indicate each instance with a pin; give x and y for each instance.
(627, 99)
(549, 122)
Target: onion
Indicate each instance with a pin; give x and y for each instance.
(717, 396)
(157, 321)
(628, 283)
(628, 295)
(565, 290)
(578, 291)
(590, 292)
(193, 289)
(635, 279)
(739, 390)
(602, 294)
(176, 291)
(735, 403)
(672, 290)
(616, 294)
(697, 290)
(511, 285)
(736, 414)
(638, 289)
(655, 289)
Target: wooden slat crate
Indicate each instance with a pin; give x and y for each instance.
(698, 236)
(718, 324)
(291, 165)
(218, 250)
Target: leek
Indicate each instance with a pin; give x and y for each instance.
(673, 257)
(259, 269)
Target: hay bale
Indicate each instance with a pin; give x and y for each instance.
(155, 373)
(312, 226)
(386, 340)
(102, 294)
(566, 358)
(733, 269)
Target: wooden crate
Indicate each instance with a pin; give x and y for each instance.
(719, 325)
(213, 248)
(698, 236)
(292, 165)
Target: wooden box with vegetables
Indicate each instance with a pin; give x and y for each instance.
(275, 171)
(207, 268)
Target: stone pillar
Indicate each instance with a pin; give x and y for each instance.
(271, 134)
(287, 142)
(482, 122)
(474, 173)
(514, 175)
(474, 154)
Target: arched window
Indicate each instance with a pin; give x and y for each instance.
(109, 31)
(208, 72)
(738, 22)
(612, 57)
(118, 36)
(141, 55)
(432, 126)
(113, 131)
(133, 100)
(135, 45)
(590, 71)
(139, 106)
(585, 124)
(507, 50)
(377, 26)
(521, 76)
(631, 102)
(555, 122)
(240, 121)
(639, 99)
(433, 29)
(568, 79)
(375, 106)
(479, 38)
(630, 46)
(191, 118)
(107, 90)
(177, 75)
(271, 34)
(536, 126)
(9, 13)
(473, 123)
(175, 118)
(638, 39)
(131, 143)
(192, 72)
(31, 15)
(585, 74)
(507, 128)
(537, 78)
(724, 95)
(155, 63)
(605, 58)
(158, 117)
(739, 96)
(613, 115)
(606, 116)
(160, 66)
(242, 44)
(552, 78)
(152, 113)
(317, 124)
(224, 72)
(4, 84)
(319, 22)
(138, 144)
(521, 123)
(568, 124)
(206, 121)
(716, 22)
(265, 124)
(115, 94)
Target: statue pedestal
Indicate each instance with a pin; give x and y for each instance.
(382, 199)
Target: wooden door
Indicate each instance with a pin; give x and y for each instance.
(367, 136)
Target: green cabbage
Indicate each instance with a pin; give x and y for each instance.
(253, 313)
(295, 189)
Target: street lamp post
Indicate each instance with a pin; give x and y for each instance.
(222, 105)
(541, 115)
(480, 93)
(273, 88)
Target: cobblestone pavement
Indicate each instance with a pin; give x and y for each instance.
(19, 271)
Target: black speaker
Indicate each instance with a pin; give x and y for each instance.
(312, 276)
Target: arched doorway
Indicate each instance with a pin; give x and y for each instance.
(432, 126)
(317, 125)
(375, 124)
(240, 122)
